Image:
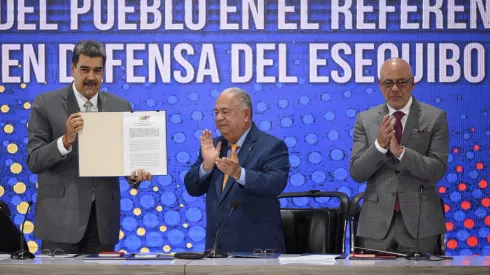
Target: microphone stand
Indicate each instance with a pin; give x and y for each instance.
(214, 253)
(417, 255)
(23, 254)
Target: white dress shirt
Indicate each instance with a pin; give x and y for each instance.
(391, 111)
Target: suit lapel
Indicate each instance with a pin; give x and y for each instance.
(102, 105)
(70, 105)
(412, 120)
(248, 145)
(221, 176)
(243, 154)
(382, 111)
(70, 102)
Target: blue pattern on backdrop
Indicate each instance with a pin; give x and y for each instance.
(315, 120)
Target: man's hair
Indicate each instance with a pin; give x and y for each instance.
(90, 48)
(244, 100)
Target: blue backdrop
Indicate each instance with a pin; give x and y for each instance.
(310, 67)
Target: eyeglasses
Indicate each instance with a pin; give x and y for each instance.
(57, 252)
(401, 84)
(265, 251)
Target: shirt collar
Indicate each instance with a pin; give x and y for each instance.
(405, 109)
(242, 138)
(81, 99)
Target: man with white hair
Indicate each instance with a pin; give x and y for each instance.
(243, 165)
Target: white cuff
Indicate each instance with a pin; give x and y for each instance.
(401, 155)
(241, 180)
(380, 149)
(202, 172)
(62, 148)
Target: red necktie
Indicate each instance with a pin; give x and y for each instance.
(398, 134)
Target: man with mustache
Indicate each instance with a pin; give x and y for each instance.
(74, 214)
(400, 147)
(246, 165)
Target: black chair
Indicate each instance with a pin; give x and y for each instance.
(9, 233)
(321, 230)
(355, 211)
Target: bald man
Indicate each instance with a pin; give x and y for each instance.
(400, 147)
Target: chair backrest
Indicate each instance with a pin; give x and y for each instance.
(319, 230)
(9, 233)
(5, 208)
(355, 210)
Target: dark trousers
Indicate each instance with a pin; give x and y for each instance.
(399, 240)
(90, 243)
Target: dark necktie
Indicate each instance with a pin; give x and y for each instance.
(398, 134)
(398, 125)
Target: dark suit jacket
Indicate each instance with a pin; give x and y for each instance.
(426, 141)
(63, 198)
(257, 222)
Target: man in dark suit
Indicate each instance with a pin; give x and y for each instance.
(75, 214)
(399, 147)
(245, 165)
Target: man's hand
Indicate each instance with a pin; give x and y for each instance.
(74, 124)
(140, 175)
(395, 148)
(386, 131)
(209, 153)
(229, 166)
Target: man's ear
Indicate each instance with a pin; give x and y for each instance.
(248, 115)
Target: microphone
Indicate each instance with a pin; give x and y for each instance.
(23, 254)
(417, 255)
(214, 253)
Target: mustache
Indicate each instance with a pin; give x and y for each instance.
(90, 82)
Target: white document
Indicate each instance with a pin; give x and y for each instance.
(308, 258)
(145, 142)
(113, 144)
(56, 256)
